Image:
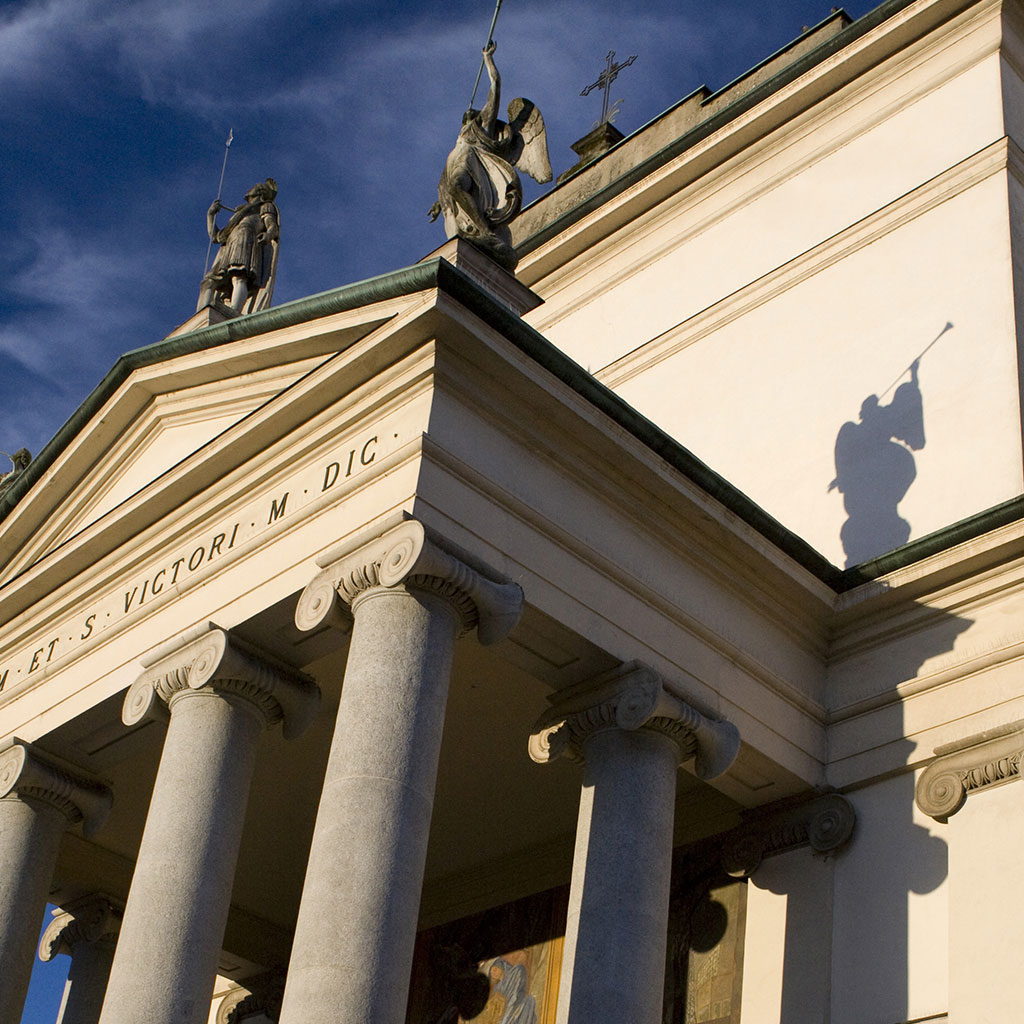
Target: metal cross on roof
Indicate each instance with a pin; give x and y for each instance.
(605, 79)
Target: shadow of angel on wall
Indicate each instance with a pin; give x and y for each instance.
(875, 467)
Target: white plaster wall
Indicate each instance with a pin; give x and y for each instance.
(772, 203)
(812, 275)
(762, 400)
(890, 924)
(986, 960)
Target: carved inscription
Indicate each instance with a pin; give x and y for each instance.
(212, 545)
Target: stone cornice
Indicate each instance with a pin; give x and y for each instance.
(27, 772)
(985, 759)
(214, 659)
(632, 697)
(94, 918)
(405, 555)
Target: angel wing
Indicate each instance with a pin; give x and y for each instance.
(531, 149)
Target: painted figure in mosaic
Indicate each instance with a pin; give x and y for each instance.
(243, 272)
(480, 190)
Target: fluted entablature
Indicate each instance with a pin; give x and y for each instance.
(406, 556)
(93, 918)
(31, 774)
(966, 766)
(633, 697)
(217, 660)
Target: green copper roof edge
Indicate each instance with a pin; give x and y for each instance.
(441, 274)
(406, 281)
(567, 370)
(970, 528)
(837, 12)
(742, 104)
(533, 344)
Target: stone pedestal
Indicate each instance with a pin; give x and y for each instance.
(357, 924)
(595, 143)
(86, 930)
(38, 800)
(494, 279)
(220, 695)
(631, 734)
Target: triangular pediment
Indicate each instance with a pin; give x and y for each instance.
(163, 412)
(168, 429)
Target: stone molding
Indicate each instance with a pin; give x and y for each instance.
(407, 556)
(94, 918)
(214, 659)
(824, 823)
(632, 697)
(966, 766)
(31, 774)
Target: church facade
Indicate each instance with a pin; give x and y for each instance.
(634, 638)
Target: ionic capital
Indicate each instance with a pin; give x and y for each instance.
(633, 697)
(967, 766)
(214, 659)
(824, 823)
(406, 556)
(95, 918)
(258, 998)
(27, 772)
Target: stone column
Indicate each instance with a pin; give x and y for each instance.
(219, 694)
(86, 930)
(39, 798)
(631, 733)
(357, 923)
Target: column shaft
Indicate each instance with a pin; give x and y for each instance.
(87, 983)
(167, 954)
(614, 966)
(357, 924)
(30, 835)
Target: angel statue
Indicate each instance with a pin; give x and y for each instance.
(21, 458)
(243, 272)
(480, 191)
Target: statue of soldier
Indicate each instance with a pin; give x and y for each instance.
(480, 190)
(243, 272)
(21, 458)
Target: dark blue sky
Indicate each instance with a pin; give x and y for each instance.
(115, 113)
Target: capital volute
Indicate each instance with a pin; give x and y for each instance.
(95, 918)
(632, 697)
(968, 766)
(825, 823)
(406, 556)
(29, 773)
(210, 658)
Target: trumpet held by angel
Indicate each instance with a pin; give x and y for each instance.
(480, 190)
